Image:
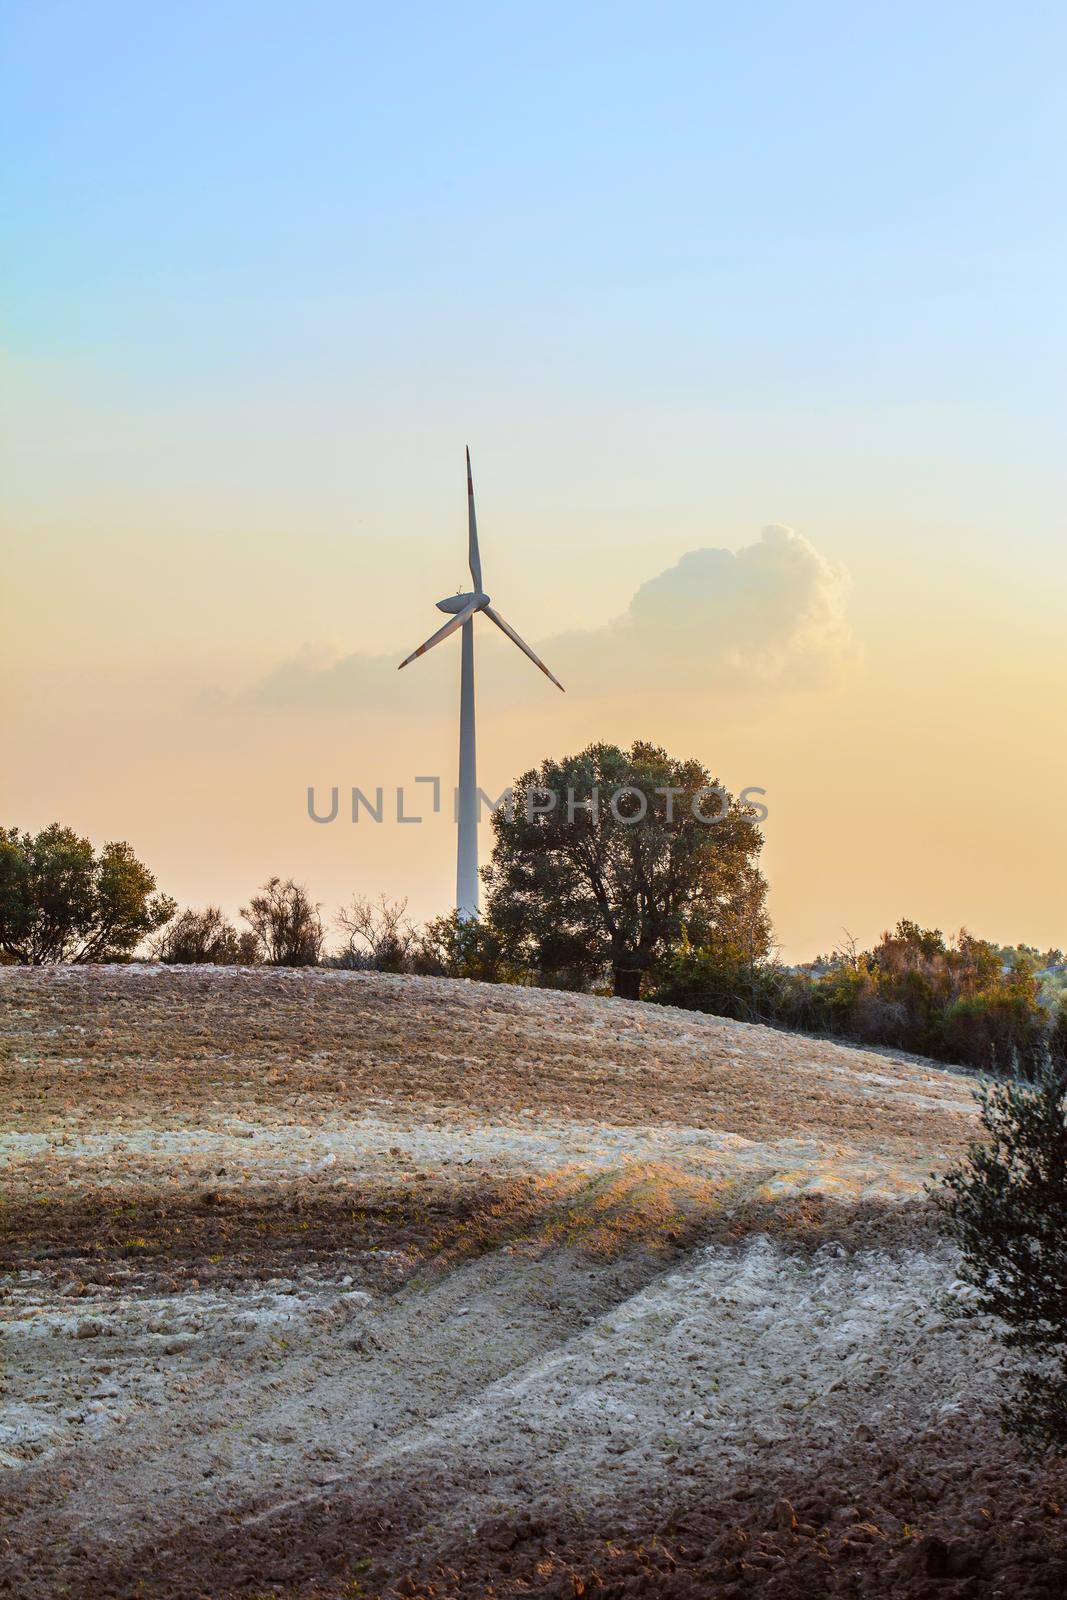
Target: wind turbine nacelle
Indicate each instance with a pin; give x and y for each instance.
(455, 603)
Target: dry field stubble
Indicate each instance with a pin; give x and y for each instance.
(327, 1284)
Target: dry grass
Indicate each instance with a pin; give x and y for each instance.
(324, 1284)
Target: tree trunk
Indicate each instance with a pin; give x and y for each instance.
(627, 983)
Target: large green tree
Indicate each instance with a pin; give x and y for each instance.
(61, 901)
(604, 860)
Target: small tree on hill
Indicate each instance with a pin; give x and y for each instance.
(605, 858)
(1006, 1205)
(61, 901)
(287, 925)
(208, 938)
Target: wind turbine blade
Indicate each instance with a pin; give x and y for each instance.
(523, 646)
(472, 530)
(442, 633)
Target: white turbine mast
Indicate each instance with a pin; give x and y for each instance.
(463, 608)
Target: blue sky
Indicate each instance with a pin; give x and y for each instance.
(676, 272)
(872, 195)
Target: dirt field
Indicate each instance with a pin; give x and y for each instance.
(332, 1284)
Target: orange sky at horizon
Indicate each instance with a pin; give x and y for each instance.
(908, 772)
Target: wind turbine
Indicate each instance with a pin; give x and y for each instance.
(463, 608)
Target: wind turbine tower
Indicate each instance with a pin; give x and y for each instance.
(462, 610)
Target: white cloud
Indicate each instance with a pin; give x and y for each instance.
(768, 616)
(761, 614)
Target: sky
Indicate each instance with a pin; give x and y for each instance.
(754, 321)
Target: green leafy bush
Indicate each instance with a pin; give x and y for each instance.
(724, 978)
(1006, 1205)
(457, 947)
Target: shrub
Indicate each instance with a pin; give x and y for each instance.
(1057, 1039)
(876, 1020)
(286, 924)
(379, 936)
(722, 978)
(208, 938)
(989, 1030)
(963, 1001)
(61, 901)
(1006, 1205)
(457, 947)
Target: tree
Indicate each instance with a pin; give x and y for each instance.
(287, 925)
(605, 858)
(60, 901)
(208, 938)
(1006, 1205)
(380, 937)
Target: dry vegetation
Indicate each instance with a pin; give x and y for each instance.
(336, 1284)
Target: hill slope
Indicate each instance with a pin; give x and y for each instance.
(324, 1283)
